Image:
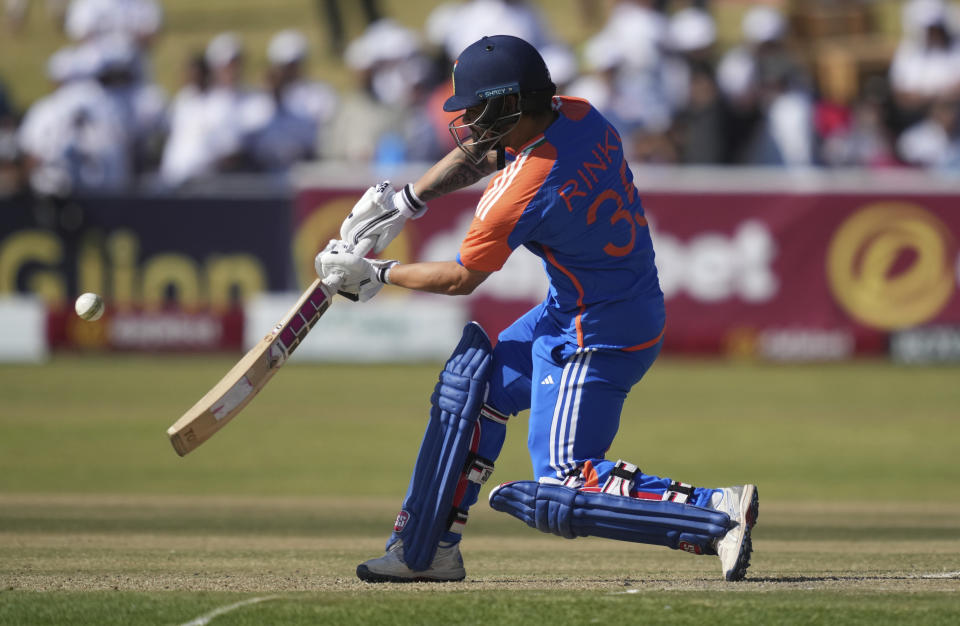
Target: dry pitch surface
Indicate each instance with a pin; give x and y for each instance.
(277, 545)
(111, 559)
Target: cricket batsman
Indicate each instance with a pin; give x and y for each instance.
(563, 190)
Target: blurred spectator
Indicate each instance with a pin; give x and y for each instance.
(454, 26)
(637, 29)
(185, 154)
(926, 65)
(301, 110)
(763, 30)
(771, 108)
(690, 40)
(934, 142)
(602, 59)
(629, 63)
(138, 19)
(10, 171)
(701, 113)
(209, 128)
(142, 104)
(561, 63)
(331, 14)
(786, 132)
(857, 137)
(73, 63)
(379, 120)
(664, 5)
(74, 140)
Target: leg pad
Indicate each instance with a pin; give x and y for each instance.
(572, 513)
(449, 458)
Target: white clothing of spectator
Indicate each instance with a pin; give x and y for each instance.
(933, 142)
(87, 19)
(209, 128)
(926, 64)
(142, 103)
(917, 15)
(186, 154)
(392, 74)
(737, 71)
(790, 124)
(288, 50)
(390, 60)
(453, 27)
(602, 59)
(75, 141)
(639, 31)
(630, 47)
(926, 144)
(73, 63)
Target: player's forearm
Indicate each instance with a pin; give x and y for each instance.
(446, 277)
(452, 172)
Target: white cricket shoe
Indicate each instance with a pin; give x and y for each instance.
(742, 504)
(447, 566)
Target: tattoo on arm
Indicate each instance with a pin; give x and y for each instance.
(454, 171)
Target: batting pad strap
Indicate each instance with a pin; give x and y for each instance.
(679, 492)
(494, 415)
(573, 478)
(621, 478)
(478, 469)
(450, 437)
(457, 521)
(572, 513)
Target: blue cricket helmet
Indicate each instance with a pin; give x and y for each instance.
(497, 66)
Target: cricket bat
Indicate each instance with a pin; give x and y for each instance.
(251, 374)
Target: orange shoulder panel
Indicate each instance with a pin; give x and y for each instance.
(573, 108)
(485, 248)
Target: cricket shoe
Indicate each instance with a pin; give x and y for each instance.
(742, 504)
(447, 566)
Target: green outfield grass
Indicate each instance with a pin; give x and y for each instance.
(101, 522)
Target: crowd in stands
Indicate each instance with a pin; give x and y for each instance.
(654, 69)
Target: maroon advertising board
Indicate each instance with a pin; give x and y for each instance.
(776, 275)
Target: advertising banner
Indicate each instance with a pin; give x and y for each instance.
(781, 276)
(174, 271)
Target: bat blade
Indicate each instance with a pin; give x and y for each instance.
(251, 373)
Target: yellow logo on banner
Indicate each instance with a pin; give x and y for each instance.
(888, 265)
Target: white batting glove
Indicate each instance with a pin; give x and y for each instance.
(380, 214)
(361, 278)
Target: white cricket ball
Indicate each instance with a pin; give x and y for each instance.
(89, 306)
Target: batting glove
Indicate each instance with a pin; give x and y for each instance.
(361, 278)
(380, 215)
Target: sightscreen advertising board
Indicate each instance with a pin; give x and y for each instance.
(781, 276)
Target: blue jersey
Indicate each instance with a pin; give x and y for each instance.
(568, 197)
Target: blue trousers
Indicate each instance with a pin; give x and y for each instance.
(575, 396)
